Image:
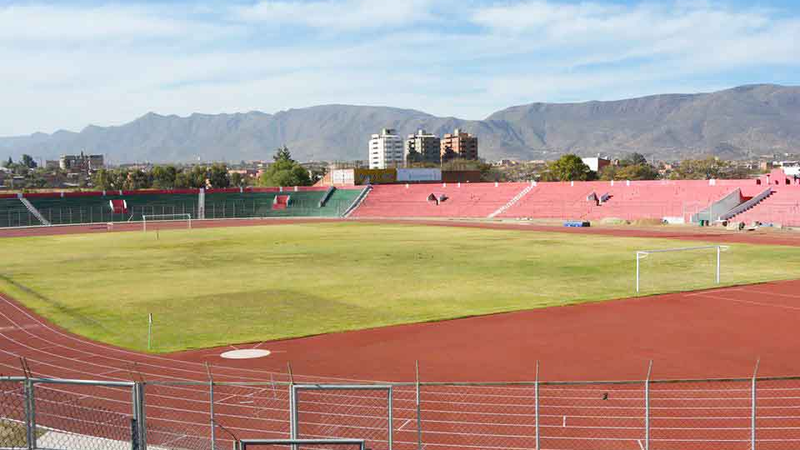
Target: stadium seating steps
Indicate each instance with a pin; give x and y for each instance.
(95, 207)
(569, 201)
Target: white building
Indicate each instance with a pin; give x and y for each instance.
(385, 150)
(791, 168)
(596, 164)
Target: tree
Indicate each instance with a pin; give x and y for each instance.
(197, 177)
(164, 176)
(182, 180)
(568, 168)
(218, 176)
(27, 161)
(413, 157)
(283, 154)
(699, 169)
(237, 180)
(630, 172)
(285, 171)
(137, 179)
(632, 159)
(102, 179)
(8, 164)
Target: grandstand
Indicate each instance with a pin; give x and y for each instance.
(102, 207)
(474, 200)
(773, 198)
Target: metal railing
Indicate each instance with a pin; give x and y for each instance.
(747, 413)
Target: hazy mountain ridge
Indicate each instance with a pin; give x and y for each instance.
(734, 123)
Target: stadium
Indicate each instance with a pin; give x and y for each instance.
(404, 316)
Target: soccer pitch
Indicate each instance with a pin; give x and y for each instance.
(216, 286)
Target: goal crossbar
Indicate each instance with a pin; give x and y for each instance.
(641, 254)
(682, 249)
(165, 218)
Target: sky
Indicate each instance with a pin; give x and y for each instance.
(68, 64)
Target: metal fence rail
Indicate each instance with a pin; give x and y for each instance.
(747, 414)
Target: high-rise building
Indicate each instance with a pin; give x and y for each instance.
(385, 149)
(426, 145)
(459, 144)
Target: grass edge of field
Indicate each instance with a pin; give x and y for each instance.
(346, 329)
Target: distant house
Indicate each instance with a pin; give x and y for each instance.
(596, 164)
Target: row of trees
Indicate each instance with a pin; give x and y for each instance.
(24, 164)
(164, 177)
(635, 167)
(285, 171)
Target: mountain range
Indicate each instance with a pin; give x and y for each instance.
(736, 123)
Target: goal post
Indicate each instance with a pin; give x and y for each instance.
(166, 218)
(715, 250)
(343, 411)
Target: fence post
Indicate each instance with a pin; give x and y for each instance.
(139, 413)
(419, 412)
(647, 407)
(536, 399)
(753, 407)
(391, 418)
(211, 408)
(292, 406)
(30, 414)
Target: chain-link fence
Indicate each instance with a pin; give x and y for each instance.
(67, 414)
(736, 414)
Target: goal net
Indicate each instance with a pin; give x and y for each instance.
(679, 269)
(153, 222)
(343, 412)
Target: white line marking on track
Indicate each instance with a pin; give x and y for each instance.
(750, 302)
(775, 293)
(19, 327)
(640, 444)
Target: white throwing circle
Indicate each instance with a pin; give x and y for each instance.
(248, 353)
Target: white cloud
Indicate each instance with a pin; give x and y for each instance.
(67, 66)
(63, 24)
(617, 32)
(338, 15)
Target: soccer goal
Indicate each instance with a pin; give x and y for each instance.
(173, 220)
(686, 267)
(333, 411)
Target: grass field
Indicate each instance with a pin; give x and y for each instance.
(215, 286)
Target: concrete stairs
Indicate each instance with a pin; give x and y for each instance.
(35, 212)
(511, 202)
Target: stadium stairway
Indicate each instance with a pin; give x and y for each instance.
(556, 200)
(781, 206)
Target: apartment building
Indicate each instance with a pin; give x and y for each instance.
(459, 144)
(386, 150)
(427, 145)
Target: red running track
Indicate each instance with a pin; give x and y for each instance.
(715, 333)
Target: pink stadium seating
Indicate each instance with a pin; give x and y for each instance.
(558, 201)
(464, 200)
(782, 207)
